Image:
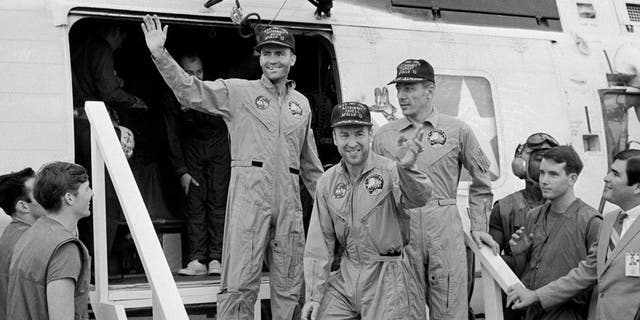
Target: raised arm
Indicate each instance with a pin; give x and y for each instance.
(415, 187)
(205, 96)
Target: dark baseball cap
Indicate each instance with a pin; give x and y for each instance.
(276, 36)
(414, 70)
(350, 114)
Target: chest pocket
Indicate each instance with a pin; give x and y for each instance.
(382, 224)
(294, 126)
(254, 117)
(432, 155)
(339, 211)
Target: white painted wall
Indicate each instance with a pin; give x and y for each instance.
(35, 92)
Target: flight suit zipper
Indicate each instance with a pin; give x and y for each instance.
(276, 165)
(356, 297)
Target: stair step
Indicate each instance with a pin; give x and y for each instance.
(135, 292)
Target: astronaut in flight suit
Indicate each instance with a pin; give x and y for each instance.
(361, 203)
(272, 145)
(437, 249)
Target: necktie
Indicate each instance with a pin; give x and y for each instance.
(615, 233)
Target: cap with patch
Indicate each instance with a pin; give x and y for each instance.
(350, 114)
(412, 71)
(276, 36)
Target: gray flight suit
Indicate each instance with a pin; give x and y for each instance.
(367, 217)
(437, 250)
(271, 145)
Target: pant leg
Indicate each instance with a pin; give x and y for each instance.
(286, 251)
(446, 264)
(246, 235)
(195, 211)
(438, 258)
(471, 278)
(416, 250)
(218, 181)
(395, 295)
(335, 306)
(285, 260)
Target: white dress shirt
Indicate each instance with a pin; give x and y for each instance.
(633, 215)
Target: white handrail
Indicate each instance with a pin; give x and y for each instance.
(496, 277)
(165, 292)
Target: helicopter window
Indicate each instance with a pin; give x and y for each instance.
(621, 115)
(470, 99)
(586, 10)
(542, 15)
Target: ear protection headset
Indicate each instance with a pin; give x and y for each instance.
(536, 141)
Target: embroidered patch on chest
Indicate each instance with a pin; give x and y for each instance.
(262, 102)
(340, 190)
(373, 184)
(437, 137)
(295, 109)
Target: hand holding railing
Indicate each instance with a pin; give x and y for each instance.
(496, 277)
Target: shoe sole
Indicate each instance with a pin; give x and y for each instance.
(187, 273)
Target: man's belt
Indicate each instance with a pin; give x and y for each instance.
(255, 163)
(443, 202)
(390, 256)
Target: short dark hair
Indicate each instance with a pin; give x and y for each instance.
(54, 180)
(12, 189)
(566, 155)
(189, 55)
(633, 164)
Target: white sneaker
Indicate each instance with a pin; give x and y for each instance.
(214, 267)
(194, 268)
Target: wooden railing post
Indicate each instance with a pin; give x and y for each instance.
(105, 142)
(157, 313)
(496, 277)
(257, 310)
(99, 221)
(492, 295)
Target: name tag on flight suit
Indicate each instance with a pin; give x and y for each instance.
(632, 264)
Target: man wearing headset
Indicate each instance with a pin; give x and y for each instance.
(557, 234)
(510, 213)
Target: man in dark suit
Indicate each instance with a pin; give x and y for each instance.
(613, 265)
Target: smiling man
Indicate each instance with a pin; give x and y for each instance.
(437, 250)
(50, 267)
(559, 233)
(272, 145)
(361, 203)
